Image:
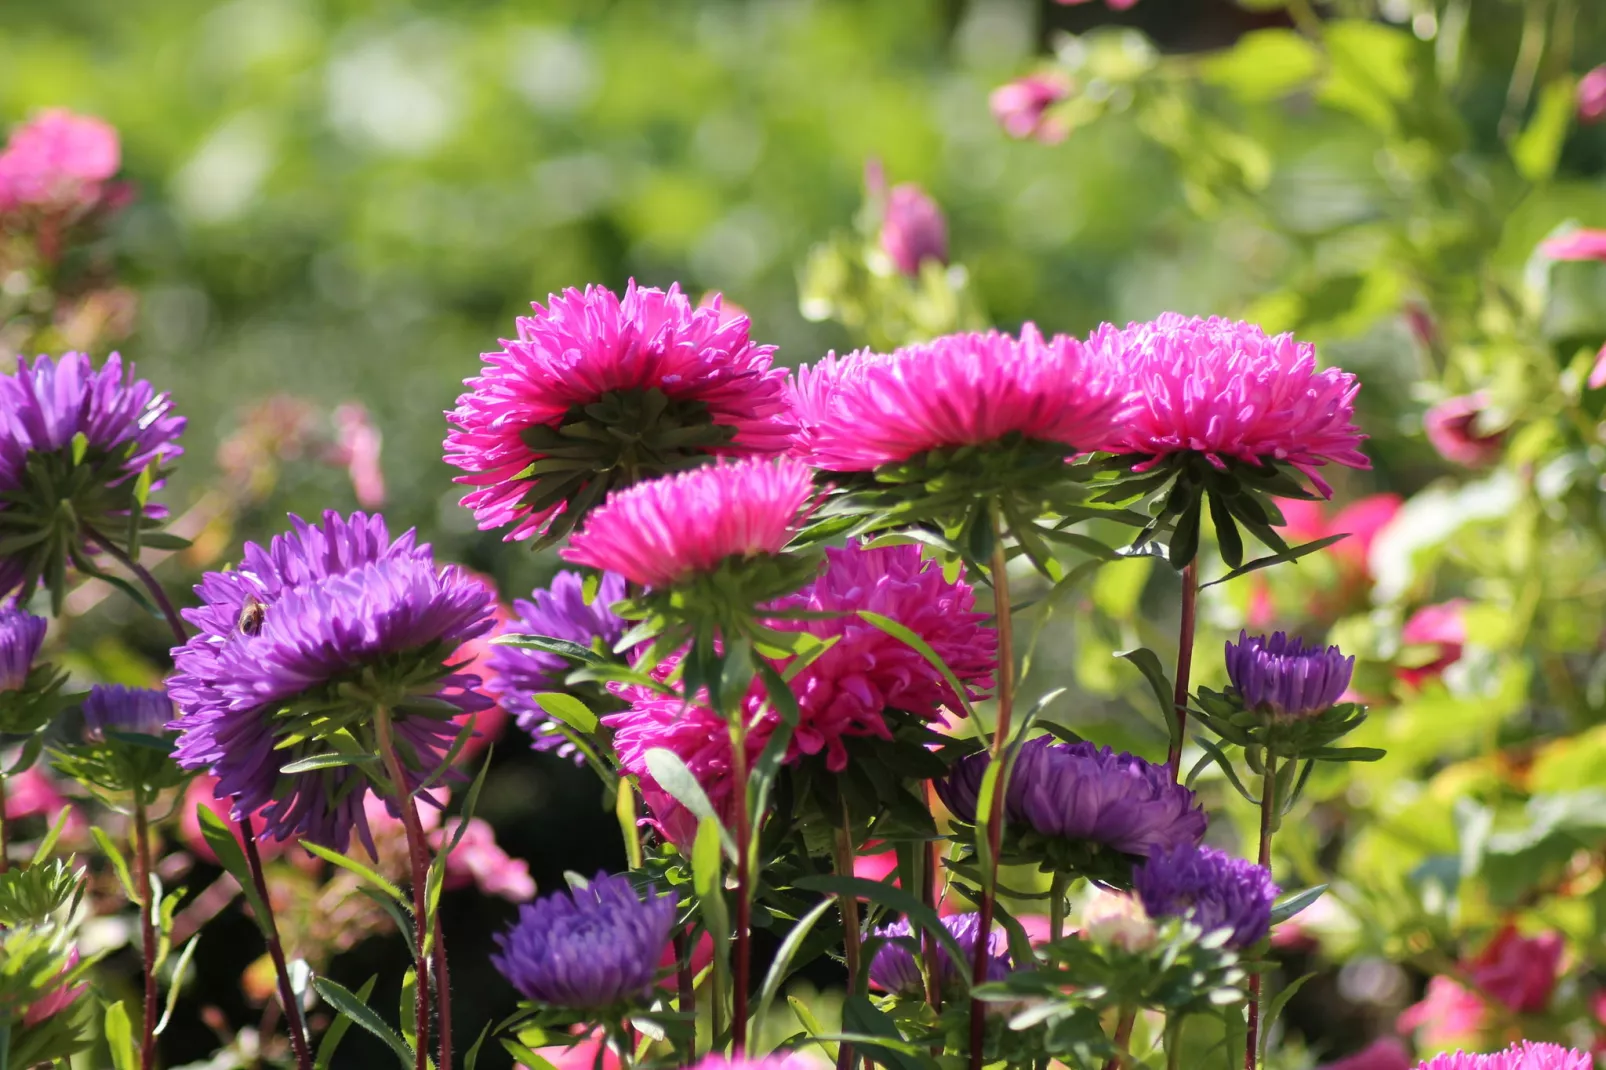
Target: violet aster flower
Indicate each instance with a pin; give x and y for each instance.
(1592, 96)
(587, 948)
(865, 410)
(115, 708)
(896, 968)
(1211, 888)
(1084, 793)
(1224, 391)
(313, 633)
(21, 635)
(66, 428)
(1286, 678)
(666, 530)
(515, 675)
(57, 161)
(598, 392)
(1022, 106)
(913, 229)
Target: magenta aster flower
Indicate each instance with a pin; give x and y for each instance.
(1452, 430)
(598, 392)
(844, 692)
(309, 636)
(516, 674)
(775, 1060)
(913, 229)
(1113, 5)
(1524, 1055)
(663, 531)
(865, 410)
(1581, 244)
(71, 433)
(57, 161)
(1225, 390)
(1592, 96)
(1022, 106)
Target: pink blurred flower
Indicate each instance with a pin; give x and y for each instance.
(1592, 96)
(662, 531)
(1581, 244)
(1362, 520)
(357, 443)
(1225, 390)
(913, 229)
(57, 161)
(859, 412)
(876, 865)
(474, 657)
(581, 1056)
(64, 996)
(32, 793)
(1519, 971)
(728, 311)
(477, 860)
(1385, 1054)
(1022, 106)
(1451, 427)
(701, 955)
(777, 1060)
(1447, 1015)
(584, 345)
(201, 792)
(1113, 5)
(1597, 374)
(1443, 626)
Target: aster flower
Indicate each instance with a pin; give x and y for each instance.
(307, 638)
(598, 392)
(1440, 633)
(896, 968)
(1385, 1054)
(843, 693)
(775, 1060)
(57, 161)
(1580, 244)
(1113, 5)
(1022, 106)
(516, 674)
(589, 948)
(115, 708)
(1209, 887)
(1453, 429)
(1284, 677)
(913, 229)
(126, 746)
(80, 450)
(1523, 1055)
(1592, 96)
(1067, 803)
(21, 635)
(866, 410)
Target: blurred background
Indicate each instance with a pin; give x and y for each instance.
(337, 205)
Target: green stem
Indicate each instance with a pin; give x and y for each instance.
(1123, 1037)
(418, 857)
(1173, 1043)
(849, 905)
(147, 931)
(995, 818)
(1186, 626)
(1056, 906)
(1268, 827)
(5, 828)
(742, 952)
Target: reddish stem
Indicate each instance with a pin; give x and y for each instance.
(418, 857)
(147, 932)
(287, 993)
(742, 951)
(1268, 807)
(1190, 598)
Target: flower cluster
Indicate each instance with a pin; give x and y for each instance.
(57, 162)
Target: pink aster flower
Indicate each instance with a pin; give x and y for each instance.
(1581, 244)
(57, 161)
(1519, 971)
(1442, 627)
(661, 532)
(859, 412)
(1113, 5)
(913, 229)
(1022, 106)
(357, 446)
(1226, 390)
(1385, 1054)
(672, 381)
(1524, 1055)
(1447, 1014)
(1451, 427)
(841, 694)
(1592, 96)
(57, 1000)
(477, 860)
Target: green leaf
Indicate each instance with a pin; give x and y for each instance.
(1275, 1008)
(337, 1030)
(1538, 148)
(120, 1038)
(231, 857)
(1215, 754)
(175, 983)
(165, 540)
(1148, 663)
(1264, 65)
(892, 898)
(327, 761)
(1228, 540)
(351, 865)
(673, 775)
(561, 647)
(48, 844)
(1288, 906)
(781, 965)
(921, 647)
(119, 863)
(871, 1027)
(343, 1000)
(471, 1060)
(811, 1024)
(568, 709)
(1346, 754)
(1293, 554)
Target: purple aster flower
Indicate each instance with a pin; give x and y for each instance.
(1211, 888)
(115, 708)
(21, 634)
(1076, 791)
(896, 968)
(313, 633)
(69, 432)
(589, 948)
(1286, 677)
(515, 675)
